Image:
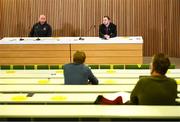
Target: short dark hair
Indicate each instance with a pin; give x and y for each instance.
(161, 63)
(79, 57)
(107, 17)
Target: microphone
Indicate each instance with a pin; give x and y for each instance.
(21, 39)
(92, 26)
(36, 34)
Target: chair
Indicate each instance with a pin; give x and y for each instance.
(18, 67)
(132, 66)
(105, 67)
(54, 67)
(145, 66)
(172, 66)
(29, 67)
(93, 66)
(5, 67)
(118, 66)
(43, 67)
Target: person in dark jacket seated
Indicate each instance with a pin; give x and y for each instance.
(77, 73)
(156, 89)
(41, 29)
(107, 30)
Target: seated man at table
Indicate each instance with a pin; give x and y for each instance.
(107, 30)
(77, 73)
(41, 29)
(156, 89)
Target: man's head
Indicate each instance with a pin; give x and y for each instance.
(79, 57)
(160, 64)
(42, 19)
(106, 20)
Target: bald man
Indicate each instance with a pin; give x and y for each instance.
(41, 29)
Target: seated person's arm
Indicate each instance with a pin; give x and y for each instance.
(49, 34)
(114, 32)
(101, 35)
(92, 79)
(31, 34)
(134, 94)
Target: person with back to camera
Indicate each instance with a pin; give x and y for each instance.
(77, 73)
(156, 89)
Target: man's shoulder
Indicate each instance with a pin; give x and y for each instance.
(112, 24)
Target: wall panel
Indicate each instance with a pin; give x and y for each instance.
(156, 20)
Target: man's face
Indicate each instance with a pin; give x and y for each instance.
(42, 19)
(106, 21)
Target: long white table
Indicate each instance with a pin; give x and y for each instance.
(85, 98)
(59, 50)
(62, 98)
(95, 71)
(105, 75)
(90, 111)
(60, 81)
(69, 88)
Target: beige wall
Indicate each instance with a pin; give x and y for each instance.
(158, 21)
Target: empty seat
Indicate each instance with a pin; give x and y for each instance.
(93, 66)
(118, 66)
(54, 67)
(43, 67)
(132, 66)
(18, 67)
(5, 67)
(172, 66)
(104, 66)
(145, 66)
(29, 67)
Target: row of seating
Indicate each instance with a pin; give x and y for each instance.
(92, 66)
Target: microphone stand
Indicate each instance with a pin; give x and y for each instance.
(37, 35)
(93, 26)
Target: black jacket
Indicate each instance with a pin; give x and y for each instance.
(112, 30)
(39, 30)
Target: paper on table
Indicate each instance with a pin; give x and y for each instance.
(110, 81)
(19, 98)
(178, 81)
(59, 71)
(110, 71)
(59, 98)
(10, 71)
(43, 81)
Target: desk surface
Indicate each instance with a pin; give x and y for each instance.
(73, 40)
(84, 98)
(69, 88)
(12, 74)
(90, 111)
(87, 98)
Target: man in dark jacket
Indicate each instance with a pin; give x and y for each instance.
(77, 73)
(41, 29)
(156, 89)
(107, 30)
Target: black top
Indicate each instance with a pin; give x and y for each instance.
(78, 74)
(39, 30)
(154, 90)
(111, 30)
